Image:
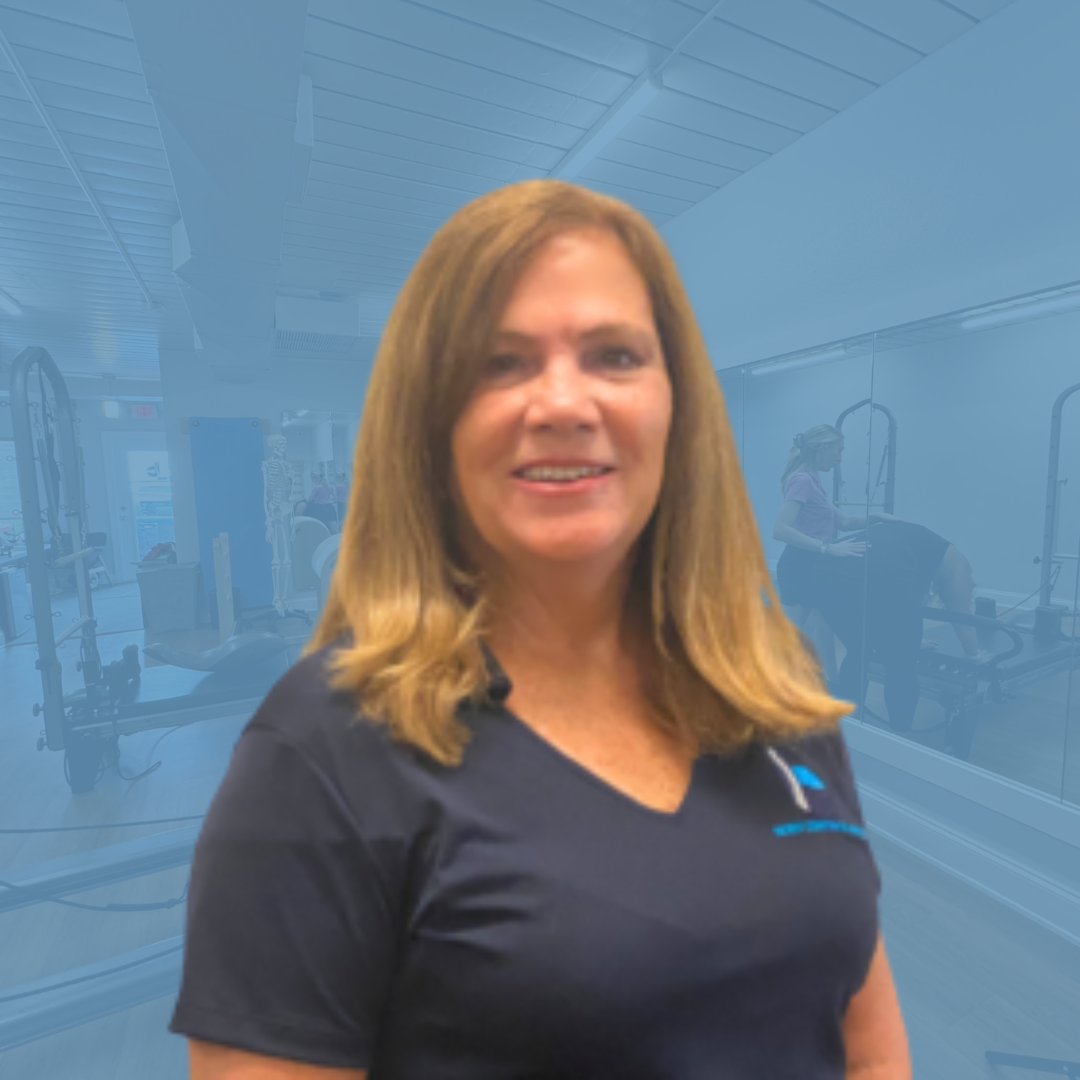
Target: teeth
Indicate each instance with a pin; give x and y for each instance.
(551, 472)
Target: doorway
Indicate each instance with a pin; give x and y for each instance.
(139, 483)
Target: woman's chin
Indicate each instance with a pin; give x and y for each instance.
(568, 551)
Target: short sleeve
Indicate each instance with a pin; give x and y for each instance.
(843, 777)
(827, 754)
(291, 930)
(799, 488)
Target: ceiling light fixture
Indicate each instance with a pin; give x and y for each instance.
(9, 304)
(824, 357)
(1000, 316)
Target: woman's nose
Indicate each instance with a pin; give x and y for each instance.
(562, 389)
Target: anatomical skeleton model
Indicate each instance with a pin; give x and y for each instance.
(277, 500)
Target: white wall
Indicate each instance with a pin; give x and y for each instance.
(952, 185)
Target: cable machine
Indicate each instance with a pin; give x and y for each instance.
(1023, 651)
(1048, 618)
(118, 698)
(48, 459)
(887, 465)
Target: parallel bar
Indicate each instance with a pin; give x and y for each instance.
(175, 717)
(59, 1002)
(42, 881)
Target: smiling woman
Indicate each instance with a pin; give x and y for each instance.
(557, 790)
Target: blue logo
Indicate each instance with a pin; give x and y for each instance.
(819, 825)
(808, 778)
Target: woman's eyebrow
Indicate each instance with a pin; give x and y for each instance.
(604, 330)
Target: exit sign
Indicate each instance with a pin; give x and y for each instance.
(143, 411)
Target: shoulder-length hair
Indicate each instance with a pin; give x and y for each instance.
(408, 612)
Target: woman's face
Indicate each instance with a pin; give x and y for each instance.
(830, 455)
(558, 456)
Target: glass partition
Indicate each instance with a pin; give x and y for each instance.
(952, 620)
(802, 400)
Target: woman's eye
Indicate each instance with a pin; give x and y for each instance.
(503, 364)
(619, 357)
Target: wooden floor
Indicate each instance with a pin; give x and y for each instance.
(972, 974)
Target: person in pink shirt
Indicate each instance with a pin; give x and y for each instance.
(808, 521)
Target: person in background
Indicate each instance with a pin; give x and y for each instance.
(807, 524)
(320, 503)
(341, 492)
(879, 606)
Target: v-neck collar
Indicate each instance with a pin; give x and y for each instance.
(498, 690)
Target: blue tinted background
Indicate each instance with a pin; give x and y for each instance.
(207, 211)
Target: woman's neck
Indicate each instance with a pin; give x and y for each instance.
(568, 624)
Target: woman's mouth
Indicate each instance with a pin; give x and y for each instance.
(563, 478)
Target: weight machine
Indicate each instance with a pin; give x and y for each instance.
(119, 698)
(1026, 649)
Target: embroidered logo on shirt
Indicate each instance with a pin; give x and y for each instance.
(807, 778)
(819, 825)
(812, 796)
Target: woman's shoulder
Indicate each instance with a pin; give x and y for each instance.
(801, 481)
(311, 727)
(320, 720)
(824, 754)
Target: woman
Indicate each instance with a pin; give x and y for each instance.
(880, 606)
(808, 521)
(557, 792)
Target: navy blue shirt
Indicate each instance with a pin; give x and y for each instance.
(354, 903)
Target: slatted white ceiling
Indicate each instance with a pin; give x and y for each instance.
(419, 106)
(56, 259)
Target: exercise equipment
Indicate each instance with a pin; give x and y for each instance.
(1028, 648)
(1048, 618)
(119, 698)
(235, 653)
(307, 534)
(887, 465)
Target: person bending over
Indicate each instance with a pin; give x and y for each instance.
(878, 602)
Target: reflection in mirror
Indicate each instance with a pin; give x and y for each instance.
(926, 536)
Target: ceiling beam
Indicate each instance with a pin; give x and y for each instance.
(641, 93)
(46, 119)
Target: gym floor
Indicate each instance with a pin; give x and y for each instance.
(972, 974)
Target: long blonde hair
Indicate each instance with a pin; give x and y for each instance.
(805, 447)
(407, 610)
